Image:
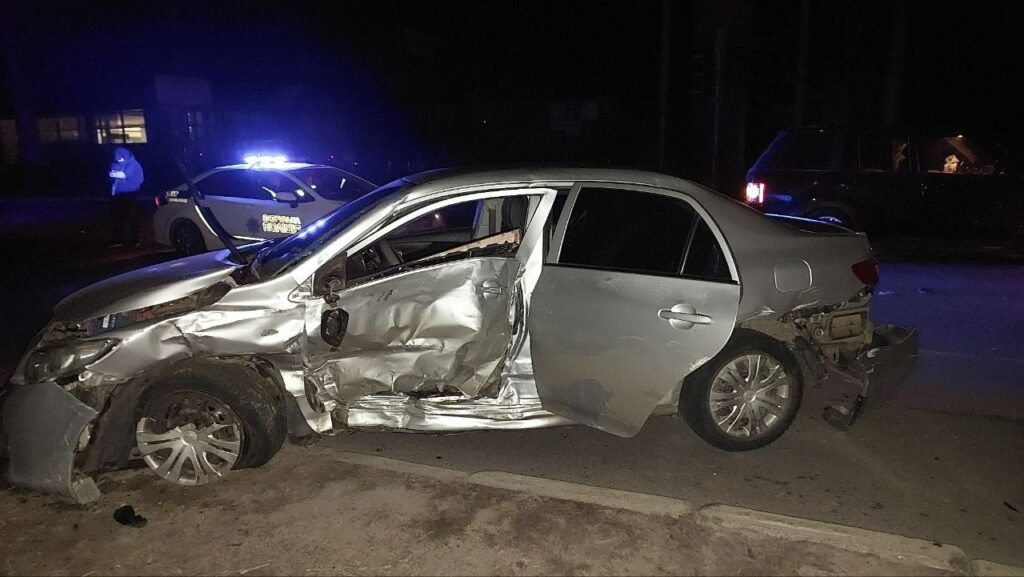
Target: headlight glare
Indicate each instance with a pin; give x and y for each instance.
(54, 362)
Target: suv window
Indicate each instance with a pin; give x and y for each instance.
(628, 231)
(232, 184)
(803, 150)
(883, 153)
(953, 155)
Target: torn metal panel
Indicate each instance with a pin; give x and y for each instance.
(457, 413)
(45, 425)
(516, 405)
(429, 330)
(145, 287)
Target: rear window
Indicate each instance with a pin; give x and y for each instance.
(804, 150)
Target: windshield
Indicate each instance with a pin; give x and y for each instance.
(281, 256)
(332, 183)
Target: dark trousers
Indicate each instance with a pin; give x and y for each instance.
(125, 213)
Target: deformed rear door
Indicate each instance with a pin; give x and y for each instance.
(622, 310)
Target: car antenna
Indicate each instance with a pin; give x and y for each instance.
(211, 220)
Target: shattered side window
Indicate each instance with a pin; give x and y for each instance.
(490, 227)
(628, 231)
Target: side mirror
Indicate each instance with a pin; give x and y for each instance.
(330, 278)
(333, 325)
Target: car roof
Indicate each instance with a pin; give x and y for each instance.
(431, 182)
(282, 166)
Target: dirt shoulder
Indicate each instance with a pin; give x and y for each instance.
(306, 513)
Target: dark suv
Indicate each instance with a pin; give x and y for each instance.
(892, 181)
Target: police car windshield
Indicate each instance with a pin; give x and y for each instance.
(281, 256)
(333, 184)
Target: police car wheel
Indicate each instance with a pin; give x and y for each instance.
(188, 240)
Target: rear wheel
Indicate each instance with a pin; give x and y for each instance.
(188, 240)
(201, 422)
(746, 397)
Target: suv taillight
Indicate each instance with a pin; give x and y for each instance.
(754, 194)
(867, 271)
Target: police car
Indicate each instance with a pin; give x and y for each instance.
(265, 197)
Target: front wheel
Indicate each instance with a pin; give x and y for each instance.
(199, 423)
(746, 396)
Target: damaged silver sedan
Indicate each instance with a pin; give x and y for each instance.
(451, 302)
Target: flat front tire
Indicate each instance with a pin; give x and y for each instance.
(746, 396)
(199, 423)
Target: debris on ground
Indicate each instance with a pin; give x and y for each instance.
(126, 515)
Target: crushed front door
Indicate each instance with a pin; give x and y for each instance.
(440, 329)
(608, 345)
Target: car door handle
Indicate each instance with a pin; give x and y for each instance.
(492, 287)
(683, 316)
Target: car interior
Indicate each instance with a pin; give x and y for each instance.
(490, 227)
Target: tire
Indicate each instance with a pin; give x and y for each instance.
(187, 239)
(743, 420)
(211, 417)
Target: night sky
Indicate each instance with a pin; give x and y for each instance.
(413, 67)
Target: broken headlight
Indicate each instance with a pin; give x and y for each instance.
(54, 362)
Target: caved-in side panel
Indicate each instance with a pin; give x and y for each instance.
(445, 327)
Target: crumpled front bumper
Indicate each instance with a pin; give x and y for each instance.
(43, 424)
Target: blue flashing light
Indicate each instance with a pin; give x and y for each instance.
(264, 159)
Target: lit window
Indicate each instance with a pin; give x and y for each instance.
(122, 127)
(59, 129)
(9, 141)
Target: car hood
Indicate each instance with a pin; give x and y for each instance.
(145, 287)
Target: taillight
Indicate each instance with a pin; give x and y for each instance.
(867, 271)
(158, 200)
(754, 193)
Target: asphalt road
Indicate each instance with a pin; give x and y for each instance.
(943, 461)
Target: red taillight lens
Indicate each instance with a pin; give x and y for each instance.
(156, 201)
(754, 193)
(867, 271)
